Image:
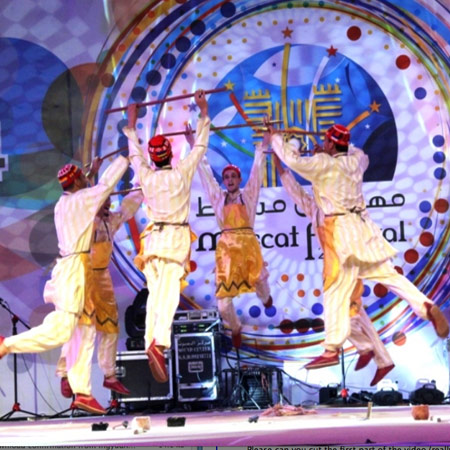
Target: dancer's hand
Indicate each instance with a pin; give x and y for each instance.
(189, 133)
(200, 100)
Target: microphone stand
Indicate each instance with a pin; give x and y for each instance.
(16, 406)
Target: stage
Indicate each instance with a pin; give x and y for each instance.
(331, 425)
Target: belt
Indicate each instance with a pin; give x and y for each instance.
(236, 229)
(354, 210)
(77, 253)
(161, 225)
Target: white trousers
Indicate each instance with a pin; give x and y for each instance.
(54, 331)
(163, 281)
(336, 299)
(75, 361)
(365, 338)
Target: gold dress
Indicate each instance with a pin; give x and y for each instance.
(238, 254)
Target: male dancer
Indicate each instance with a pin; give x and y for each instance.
(240, 266)
(336, 173)
(362, 332)
(75, 212)
(100, 314)
(165, 244)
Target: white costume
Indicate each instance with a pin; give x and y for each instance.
(101, 316)
(74, 221)
(361, 250)
(165, 245)
(362, 332)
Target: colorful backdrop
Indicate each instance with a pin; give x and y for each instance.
(379, 67)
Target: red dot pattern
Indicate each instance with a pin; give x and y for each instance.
(286, 326)
(426, 239)
(399, 270)
(403, 62)
(192, 266)
(411, 256)
(354, 33)
(379, 290)
(441, 205)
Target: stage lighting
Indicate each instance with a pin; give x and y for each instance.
(427, 394)
(387, 394)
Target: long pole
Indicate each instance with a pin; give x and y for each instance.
(226, 127)
(167, 99)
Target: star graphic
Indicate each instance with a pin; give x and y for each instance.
(223, 144)
(192, 107)
(229, 85)
(332, 51)
(374, 106)
(287, 32)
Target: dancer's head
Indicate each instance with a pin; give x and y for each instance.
(337, 138)
(160, 150)
(231, 177)
(71, 178)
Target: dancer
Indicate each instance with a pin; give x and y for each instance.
(75, 212)
(165, 245)
(336, 172)
(240, 267)
(362, 332)
(100, 315)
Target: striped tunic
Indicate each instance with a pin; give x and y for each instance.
(167, 197)
(337, 186)
(74, 222)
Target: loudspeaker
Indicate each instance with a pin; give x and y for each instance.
(328, 394)
(428, 394)
(133, 371)
(387, 397)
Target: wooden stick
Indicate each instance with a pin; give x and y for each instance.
(121, 149)
(227, 127)
(125, 191)
(290, 131)
(167, 99)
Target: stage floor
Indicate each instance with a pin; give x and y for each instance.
(331, 425)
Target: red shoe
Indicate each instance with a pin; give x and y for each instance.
(438, 320)
(268, 303)
(364, 359)
(381, 373)
(326, 359)
(157, 363)
(89, 404)
(116, 386)
(66, 390)
(236, 339)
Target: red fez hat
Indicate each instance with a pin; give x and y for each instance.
(338, 134)
(231, 167)
(159, 148)
(68, 174)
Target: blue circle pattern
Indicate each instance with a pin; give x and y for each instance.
(438, 140)
(426, 222)
(440, 173)
(254, 311)
(317, 309)
(420, 93)
(439, 157)
(425, 206)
